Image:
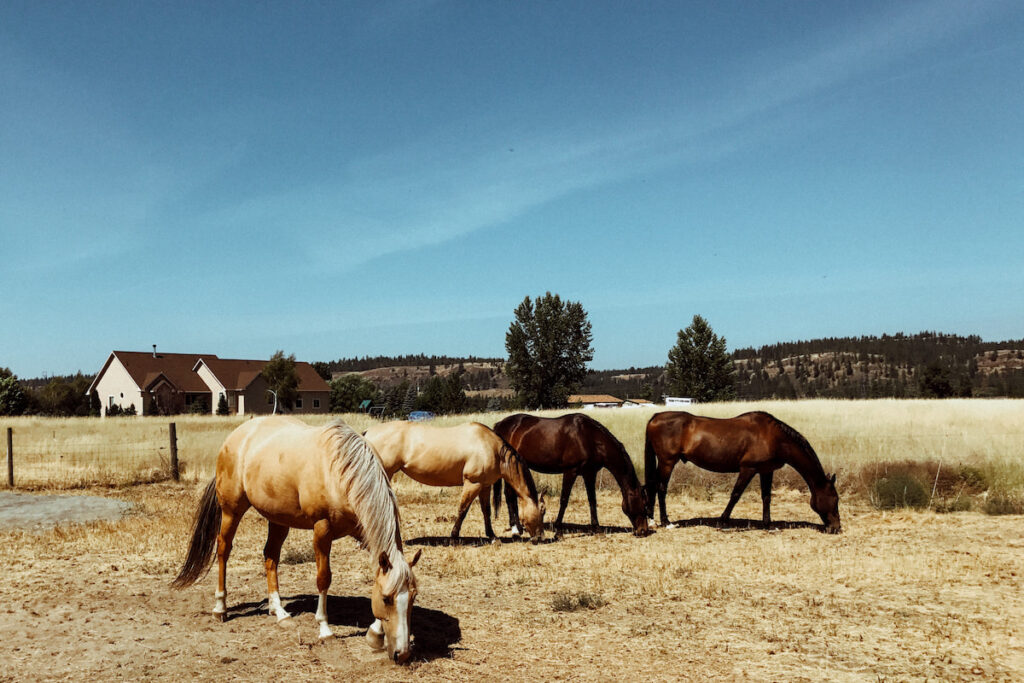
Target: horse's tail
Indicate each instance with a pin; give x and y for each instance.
(650, 466)
(497, 498)
(205, 529)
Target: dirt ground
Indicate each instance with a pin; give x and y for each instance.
(897, 596)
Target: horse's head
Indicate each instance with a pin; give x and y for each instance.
(531, 514)
(825, 501)
(634, 506)
(392, 605)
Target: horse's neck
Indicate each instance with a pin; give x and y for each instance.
(512, 470)
(808, 466)
(618, 463)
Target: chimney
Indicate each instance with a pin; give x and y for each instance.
(154, 350)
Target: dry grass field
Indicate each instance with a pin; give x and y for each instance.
(902, 594)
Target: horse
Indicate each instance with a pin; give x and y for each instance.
(327, 479)
(469, 454)
(574, 445)
(751, 443)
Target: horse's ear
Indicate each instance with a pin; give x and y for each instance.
(385, 563)
(416, 557)
(832, 479)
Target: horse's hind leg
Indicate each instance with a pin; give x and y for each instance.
(276, 534)
(322, 539)
(485, 507)
(568, 479)
(228, 526)
(590, 481)
(766, 497)
(746, 474)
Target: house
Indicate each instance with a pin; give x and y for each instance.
(677, 401)
(591, 401)
(171, 383)
(637, 403)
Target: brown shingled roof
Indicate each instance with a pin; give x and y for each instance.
(144, 368)
(237, 374)
(593, 398)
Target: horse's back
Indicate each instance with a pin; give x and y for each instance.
(278, 464)
(437, 456)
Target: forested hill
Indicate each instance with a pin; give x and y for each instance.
(926, 364)
(327, 369)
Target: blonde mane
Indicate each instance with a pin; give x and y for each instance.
(371, 497)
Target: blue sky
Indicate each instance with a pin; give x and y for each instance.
(343, 179)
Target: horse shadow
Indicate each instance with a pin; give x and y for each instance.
(471, 541)
(734, 524)
(587, 530)
(434, 632)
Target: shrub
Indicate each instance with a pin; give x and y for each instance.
(1004, 503)
(564, 601)
(898, 490)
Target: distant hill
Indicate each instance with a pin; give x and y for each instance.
(901, 366)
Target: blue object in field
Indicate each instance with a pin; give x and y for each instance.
(420, 416)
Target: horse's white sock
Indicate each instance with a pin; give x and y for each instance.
(275, 608)
(321, 616)
(220, 607)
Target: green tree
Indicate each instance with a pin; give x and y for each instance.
(698, 365)
(13, 399)
(222, 405)
(282, 379)
(549, 346)
(348, 391)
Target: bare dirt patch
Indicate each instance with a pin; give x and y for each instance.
(898, 595)
(33, 511)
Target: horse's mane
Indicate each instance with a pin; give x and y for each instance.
(511, 464)
(371, 497)
(798, 439)
(627, 460)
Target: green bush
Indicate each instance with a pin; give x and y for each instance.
(898, 490)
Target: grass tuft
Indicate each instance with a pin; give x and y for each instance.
(898, 490)
(566, 601)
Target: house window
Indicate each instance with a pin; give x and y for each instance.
(298, 403)
(316, 403)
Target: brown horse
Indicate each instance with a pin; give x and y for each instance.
(470, 455)
(322, 478)
(752, 443)
(574, 445)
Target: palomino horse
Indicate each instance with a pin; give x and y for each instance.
(574, 445)
(752, 443)
(470, 455)
(327, 479)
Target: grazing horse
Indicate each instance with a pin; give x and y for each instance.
(752, 443)
(470, 455)
(574, 445)
(327, 479)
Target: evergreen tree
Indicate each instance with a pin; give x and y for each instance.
(13, 399)
(699, 366)
(549, 346)
(222, 405)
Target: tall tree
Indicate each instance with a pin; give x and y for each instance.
(282, 378)
(548, 346)
(13, 399)
(699, 366)
(349, 391)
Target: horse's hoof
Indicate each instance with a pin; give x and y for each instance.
(325, 632)
(286, 622)
(670, 526)
(374, 640)
(220, 616)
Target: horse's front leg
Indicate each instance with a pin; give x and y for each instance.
(276, 534)
(664, 473)
(470, 491)
(322, 539)
(746, 474)
(766, 497)
(512, 502)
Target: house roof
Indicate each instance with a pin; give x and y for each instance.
(144, 368)
(638, 400)
(237, 374)
(593, 398)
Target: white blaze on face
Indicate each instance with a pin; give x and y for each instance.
(402, 622)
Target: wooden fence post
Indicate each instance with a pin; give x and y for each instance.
(175, 475)
(10, 457)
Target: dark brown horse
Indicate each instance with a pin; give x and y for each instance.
(574, 445)
(752, 443)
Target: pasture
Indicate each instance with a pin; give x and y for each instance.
(901, 594)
